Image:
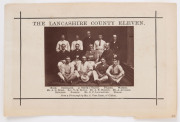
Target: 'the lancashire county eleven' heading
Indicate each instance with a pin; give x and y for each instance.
(87, 23)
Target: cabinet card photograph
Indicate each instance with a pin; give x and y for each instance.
(91, 59)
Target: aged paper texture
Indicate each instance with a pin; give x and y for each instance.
(96, 59)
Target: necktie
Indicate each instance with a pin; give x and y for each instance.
(100, 43)
(113, 70)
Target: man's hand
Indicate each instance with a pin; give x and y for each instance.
(100, 75)
(80, 73)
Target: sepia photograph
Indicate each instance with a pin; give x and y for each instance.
(90, 59)
(89, 56)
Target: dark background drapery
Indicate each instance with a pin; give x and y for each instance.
(53, 34)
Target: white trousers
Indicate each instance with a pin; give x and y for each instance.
(67, 77)
(116, 79)
(97, 77)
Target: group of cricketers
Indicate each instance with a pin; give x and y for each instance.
(89, 60)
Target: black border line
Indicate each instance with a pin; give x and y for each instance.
(84, 17)
(20, 57)
(88, 98)
(156, 51)
(20, 18)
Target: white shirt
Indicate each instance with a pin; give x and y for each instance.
(67, 68)
(115, 70)
(60, 64)
(58, 46)
(84, 67)
(99, 45)
(77, 42)
(76, 63)
(91, 63)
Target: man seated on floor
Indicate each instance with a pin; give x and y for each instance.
(60, 63)
(99, 73)
(91, 63)
(76, 62)
(115, 72)
(117, 57)
(67, 73)
(84, 70)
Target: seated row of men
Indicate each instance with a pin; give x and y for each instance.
(85, 69)
(92, 54)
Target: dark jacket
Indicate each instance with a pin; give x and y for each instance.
(74, 53)
(92, 55)
(86, 42)
(62, 55)
(115, 47)
(108, 55)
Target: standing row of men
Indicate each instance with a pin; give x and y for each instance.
(84, 45)
(89, 58)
